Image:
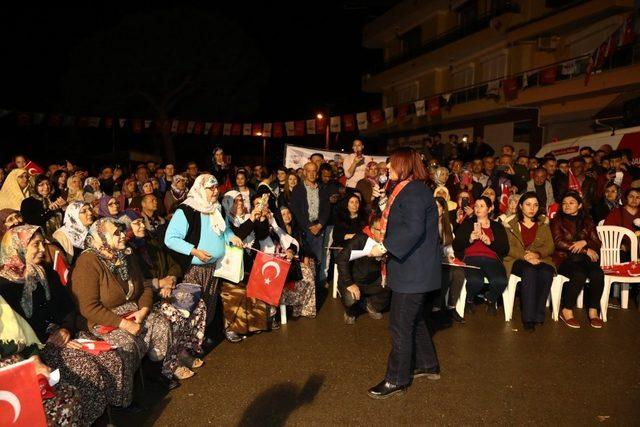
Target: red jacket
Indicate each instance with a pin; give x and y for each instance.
(564, 235)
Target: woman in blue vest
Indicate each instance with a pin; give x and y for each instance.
(197, 234)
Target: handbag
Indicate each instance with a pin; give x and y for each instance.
(230, 267)
(185, 298)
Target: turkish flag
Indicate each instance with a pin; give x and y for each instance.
(236, 129)
(198, 128)
(349, 122)
(321, 125)
(216, 129)
(55, 120)
(277, 130)
(108, 122)
(33, 169)
(628, 34)
(24, 119)
(504, 198)
(256, 129)
(61, 267)
(299, 127)
(182, 127)
(94, 347)
(403, 112)
(136, 124)
(267, 278)
(20, 399)
(510, 88)
(553, 210)
(376, 117)
(434, 106)
(548, 75)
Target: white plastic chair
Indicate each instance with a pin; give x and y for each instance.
(283, 314)
(556, 295)
(511, 286)
(462, 301)
(611, 237)
(335, 291)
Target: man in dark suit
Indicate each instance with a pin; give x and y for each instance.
(414, 265)
(311, 208)
(360, 280)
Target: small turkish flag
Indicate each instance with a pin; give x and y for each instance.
(574, 184)
(20, 399)
(553, 210)
(267, 278)
(504, 198)
(61, 267)
(33, 169)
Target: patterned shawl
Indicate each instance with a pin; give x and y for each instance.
(98, 242)
(197, 199)
(73, 228)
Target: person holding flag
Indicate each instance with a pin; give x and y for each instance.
(577, 181)
(410, 228)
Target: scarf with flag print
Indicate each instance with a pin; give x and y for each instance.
(574, 184)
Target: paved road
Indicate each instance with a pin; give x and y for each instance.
(316, 372)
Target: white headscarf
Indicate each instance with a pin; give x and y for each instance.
(197, 199)
(11, 195)
(72, 227)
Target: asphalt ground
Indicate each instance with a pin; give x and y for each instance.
(317, 372)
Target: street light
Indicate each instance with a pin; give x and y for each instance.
(320, 116)
(264, 148)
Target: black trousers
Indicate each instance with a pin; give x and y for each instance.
(411, 344)
(377, 296)
(534, 288)
(452, 281)
(578, 269)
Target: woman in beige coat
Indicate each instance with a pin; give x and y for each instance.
(530, 249)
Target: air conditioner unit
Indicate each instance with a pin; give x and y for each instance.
(548, 43)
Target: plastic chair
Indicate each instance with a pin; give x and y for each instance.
(512, 285)
(462, 301)
(335, 291)
(611, 237)
(556, 295)
(283, 314)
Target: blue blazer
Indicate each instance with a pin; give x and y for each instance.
(412, 241)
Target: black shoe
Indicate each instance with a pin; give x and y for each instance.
(164, 382)
(431, 374)
(349, 319)
(492, 308)
(133, 408)
(275, 325)
(456, 317)
(233, 337)
(529, 326)
(376, 315)
(384, 390)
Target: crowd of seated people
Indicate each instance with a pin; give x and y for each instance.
(138, 241)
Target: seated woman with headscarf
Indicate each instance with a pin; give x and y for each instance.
(159, 268)
(176, 194)
(109, 207)
(9, 218)
(92, 191)
(245, 315)
(40, 210)
(117, 305)
(77, 219)
(14, 189)
(74, 189)
(34, 291)
(197, 234)
(302, 296)
(18, 342)
(129, 193)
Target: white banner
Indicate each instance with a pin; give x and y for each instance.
(226, 129)
(311, 127)
(266, 130)
(335, 124)
(147, 123)
(290, 128)
(362, 120)
(388, 115)
(295, 157)
(420, 111)
(122, 122)
(190, 126)
(246, 129)
(207, 127)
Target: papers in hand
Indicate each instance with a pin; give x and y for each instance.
(458, 263)
(368, 246)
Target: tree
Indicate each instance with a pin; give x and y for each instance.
(166, 64)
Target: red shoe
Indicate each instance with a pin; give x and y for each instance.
(572, 323)
(596, 322)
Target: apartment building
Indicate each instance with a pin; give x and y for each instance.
(512, 71)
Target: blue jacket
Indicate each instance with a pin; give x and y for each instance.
(412, 241)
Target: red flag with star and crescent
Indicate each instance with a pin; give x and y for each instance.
(20, 398)
(504, 198)
(267, 278)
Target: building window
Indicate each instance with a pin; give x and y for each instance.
(411, 40)
(462, 78)
(494, 68)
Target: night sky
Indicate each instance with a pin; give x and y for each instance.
(323, 63)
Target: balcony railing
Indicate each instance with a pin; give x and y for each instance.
(568, 69)
(457, 33)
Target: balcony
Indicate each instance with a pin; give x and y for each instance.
(456, 33)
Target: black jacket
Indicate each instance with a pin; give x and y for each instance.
(500, 243)
(413, 242)
(300, 207)
(363, 271)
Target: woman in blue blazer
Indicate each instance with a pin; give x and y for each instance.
(413, 269)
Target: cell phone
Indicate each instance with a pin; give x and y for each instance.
(477, 227)
(263, 201)
(502, 168)
(465, 202)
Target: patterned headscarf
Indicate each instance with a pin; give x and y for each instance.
(11, 195)
(197, 199)
(14, 266)
(177, 193)
(73, 228)
(98, 242)
(4, 214)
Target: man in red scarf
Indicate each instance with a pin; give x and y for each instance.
(361, 281)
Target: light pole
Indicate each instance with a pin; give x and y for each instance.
(327, 134)
(264, 148)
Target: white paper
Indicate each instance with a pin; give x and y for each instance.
(368, 246)
(54, 377)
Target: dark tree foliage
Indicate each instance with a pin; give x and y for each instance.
(167, 64)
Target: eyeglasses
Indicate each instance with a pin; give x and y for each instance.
(117, 233)
(112, 204)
